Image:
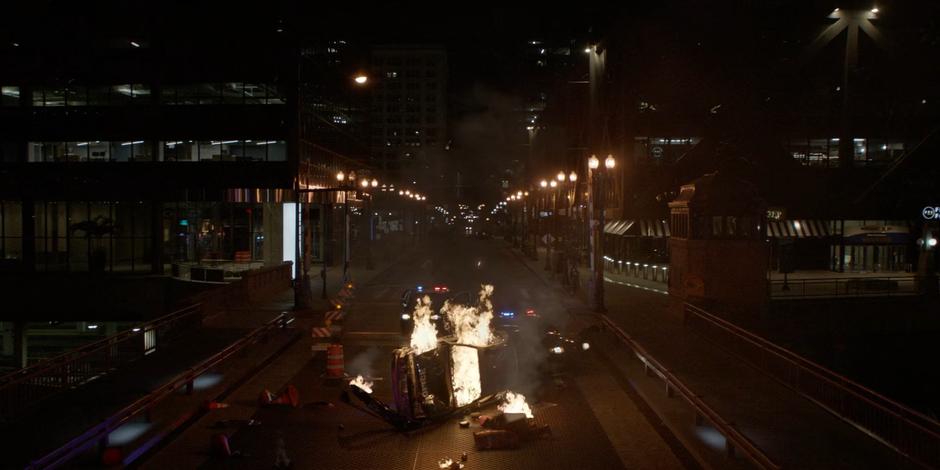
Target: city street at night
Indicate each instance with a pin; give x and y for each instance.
(655, 235)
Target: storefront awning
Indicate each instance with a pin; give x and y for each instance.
(617, 227)
(653, 228)
(647, 228)
(798, 229)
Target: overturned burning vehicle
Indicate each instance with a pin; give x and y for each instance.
(441, 375)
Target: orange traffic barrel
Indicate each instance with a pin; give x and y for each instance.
(334, 361)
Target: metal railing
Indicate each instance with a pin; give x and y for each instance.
(98, 434)
(20, 389)
(734, 440)
(254, 285)
(902, 429)
(845, 287)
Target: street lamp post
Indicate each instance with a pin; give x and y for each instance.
(566, 229)
(597, 180)
(545, 229)
(553, 230)
(522, 222)
(371, 225)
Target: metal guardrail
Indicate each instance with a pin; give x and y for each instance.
(906, 431)
(844, 287)
(734, 440)
(26, 386)
(99, 433)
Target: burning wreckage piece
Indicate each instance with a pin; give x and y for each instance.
(513, 424)
(362, 390)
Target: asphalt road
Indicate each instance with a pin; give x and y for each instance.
(595, 424)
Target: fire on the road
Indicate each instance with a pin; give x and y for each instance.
(424, 336)
(361, 382)
(515, 403)
(472, 327)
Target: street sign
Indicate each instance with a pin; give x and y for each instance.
(931, 213)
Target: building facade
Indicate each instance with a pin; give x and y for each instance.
(144, 155)
(409, 112)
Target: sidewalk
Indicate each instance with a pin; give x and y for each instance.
(190, 449)
(793, 431)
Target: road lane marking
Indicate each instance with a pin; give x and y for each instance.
(637, 286)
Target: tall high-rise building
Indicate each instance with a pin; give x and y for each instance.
(409, 112)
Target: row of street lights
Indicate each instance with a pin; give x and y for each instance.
(597, 198)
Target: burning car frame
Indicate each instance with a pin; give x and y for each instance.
(436, 377)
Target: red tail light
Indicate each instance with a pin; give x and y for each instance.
(530, 312)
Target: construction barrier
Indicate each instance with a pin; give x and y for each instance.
(334, 361)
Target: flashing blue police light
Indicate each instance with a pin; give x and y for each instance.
(419, 288)
(507, 314)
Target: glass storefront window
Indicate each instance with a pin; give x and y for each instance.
(256, 150)
(277, 151)
(233, 93)
(121, 151)
(76, 151)
(211, 93)
(9, 96)
(210, 150)
(99, 95)
(76, 96)
(98, 151)
(47, 96)
(255, 93)
(181, 151)
(859, 149)
(833, 153)
(34, 152)
(142, 151)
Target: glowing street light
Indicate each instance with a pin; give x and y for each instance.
(375, 182)
(365, 183)
(609, 162)
(543, 183)
(560, 176)
(518, 194)
(573, 177)
(553, 184)
(361, 79)
(593, 162)
(340, 176)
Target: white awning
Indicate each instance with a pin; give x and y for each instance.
(798, 228)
